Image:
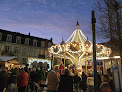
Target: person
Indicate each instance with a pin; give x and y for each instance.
(3, 78)
(58, 74)
(99, 79)
(33, 78)
(45, 74)
(26, 68)
(71, 72)
(1, 67)
(77, 80)
(12, 87)
(33, 75)
(90, 83)
(41, 75)
(105, 87)
(53, 80)
(83, 84)
(66, 82)
(23, 79)
(109, 72)
(29, 70)
(73, 69)
(109, 80)
(61, 68)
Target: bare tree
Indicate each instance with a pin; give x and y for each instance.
(109, 17)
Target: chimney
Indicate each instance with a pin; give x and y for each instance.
(51, 39)
(29, 34)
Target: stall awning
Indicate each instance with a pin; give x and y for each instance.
(7, 58)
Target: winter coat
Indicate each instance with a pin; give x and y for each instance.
(34, 76)
(53, 80)
(41, 74)
(23, 79)
(83, 84)
(13, 77)
(111, 83)
(66, 84)
(3, 79)
(77, 79)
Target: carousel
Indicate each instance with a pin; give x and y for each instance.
(78, 49)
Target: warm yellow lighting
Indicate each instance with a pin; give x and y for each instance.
(114, 57)
(77, 46)
(12, 64)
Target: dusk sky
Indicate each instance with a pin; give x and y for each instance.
(47, 18)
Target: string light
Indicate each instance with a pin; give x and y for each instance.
(70, 55)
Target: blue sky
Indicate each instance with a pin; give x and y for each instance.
(46, 18)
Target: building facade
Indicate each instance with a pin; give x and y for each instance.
(23, 46)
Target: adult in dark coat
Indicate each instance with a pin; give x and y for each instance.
(66, 82)
(83, 84)
(12, 81)
(34, 75)
(33, 78)
(109, 72)
(99, 80)
(3, 78)
(13, 76)
(109, 80)
(77, 80)
(41, 75)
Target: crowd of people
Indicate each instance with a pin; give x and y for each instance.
(58, 80)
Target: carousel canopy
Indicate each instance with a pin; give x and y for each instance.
(78, 48)
(77, 36)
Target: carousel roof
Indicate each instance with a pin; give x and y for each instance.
(77, 36)
(78, 46)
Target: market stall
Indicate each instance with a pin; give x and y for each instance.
(10, 62)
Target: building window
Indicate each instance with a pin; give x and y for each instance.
(24, 50)
(7, 48)
(16, 50)
(42, 44)
(46, 52)
(9, 38)
(34, 42)
(18, 39)
(24, 59)
(49, 44)
(42, 52)
(33, 52)
(27, 41)
(0, 36)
